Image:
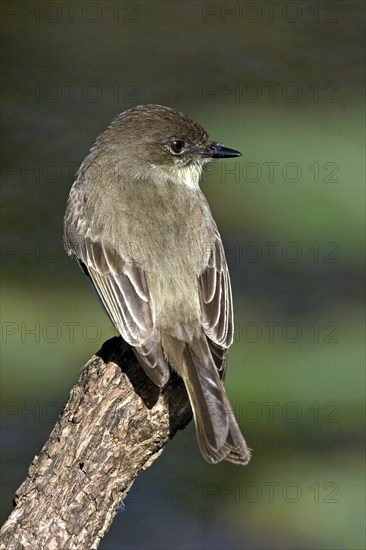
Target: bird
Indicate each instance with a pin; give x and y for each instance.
(142, 231)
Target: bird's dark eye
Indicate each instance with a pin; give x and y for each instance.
(177, 146)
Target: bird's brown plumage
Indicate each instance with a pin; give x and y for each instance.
(152, 250)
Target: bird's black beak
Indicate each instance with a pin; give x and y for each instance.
(217, 151)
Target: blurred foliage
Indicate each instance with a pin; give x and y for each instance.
(298, 391)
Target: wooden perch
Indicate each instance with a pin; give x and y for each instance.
(115, 423)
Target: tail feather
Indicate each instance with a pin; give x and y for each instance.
(218, 434)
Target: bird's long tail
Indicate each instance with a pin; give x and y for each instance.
(218, 434)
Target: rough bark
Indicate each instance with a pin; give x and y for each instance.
(115, 423)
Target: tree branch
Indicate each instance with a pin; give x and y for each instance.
(115, 423)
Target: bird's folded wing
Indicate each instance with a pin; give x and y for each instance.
(122, 286)
(216, 304)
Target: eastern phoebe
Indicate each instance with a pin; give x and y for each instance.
(143, 232)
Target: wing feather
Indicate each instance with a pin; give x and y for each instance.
(216, 304)
(123, 289)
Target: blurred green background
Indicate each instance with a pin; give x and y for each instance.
(284, 83)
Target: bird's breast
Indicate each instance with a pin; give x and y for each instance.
(170, 232)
